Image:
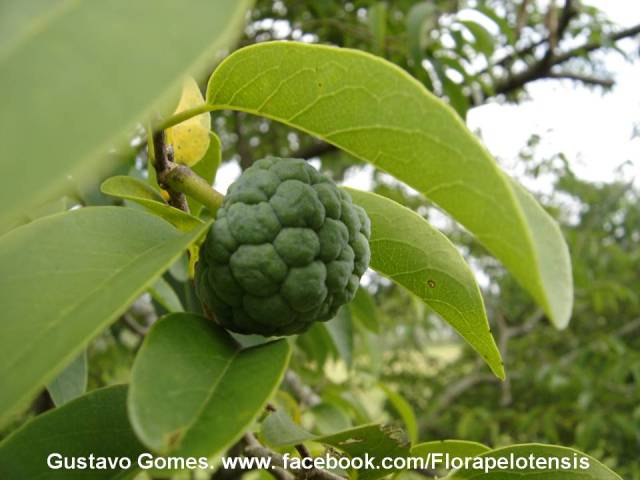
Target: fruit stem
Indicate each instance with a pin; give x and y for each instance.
(182, 179)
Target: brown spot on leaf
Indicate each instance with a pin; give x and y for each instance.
(431, 284)
(174, 438)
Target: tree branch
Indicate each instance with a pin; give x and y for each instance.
(568, 13)
(542, 68)
(586, 79)
(556, 35)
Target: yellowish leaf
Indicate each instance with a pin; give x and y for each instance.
(190, 139)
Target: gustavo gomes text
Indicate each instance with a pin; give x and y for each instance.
(144, 461)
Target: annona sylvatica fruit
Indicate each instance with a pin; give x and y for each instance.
(287, 249)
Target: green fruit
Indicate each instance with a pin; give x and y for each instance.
(287, 249)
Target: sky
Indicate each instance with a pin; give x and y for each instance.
(594, 130)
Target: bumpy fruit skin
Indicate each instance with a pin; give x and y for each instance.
(287, 249)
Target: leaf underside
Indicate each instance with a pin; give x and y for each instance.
(405, 248)
(377, 112)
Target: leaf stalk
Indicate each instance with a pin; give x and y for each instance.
(180, 117)
(181, 178)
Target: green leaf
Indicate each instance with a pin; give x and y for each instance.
(347, 401)
(329, 339)
(405, 411)
(64, 278)
(340, 330)
(95, 423)
(500, 21)
(130, 188)
(451, 62)
(595, 471)
(376, 112)
(207, 168)
(194, 390)
(453, 91)
(422, 17)
(71, 382)
(61, 204)
(330, 418)
(316, 343)
(64, 107)
(49, 208)
(278, 430)
(180, 269)
(455, 448)
(164, 294)
(483, 39)
(377, 441)
(364, 310)
(405, 248)
(457, 99)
